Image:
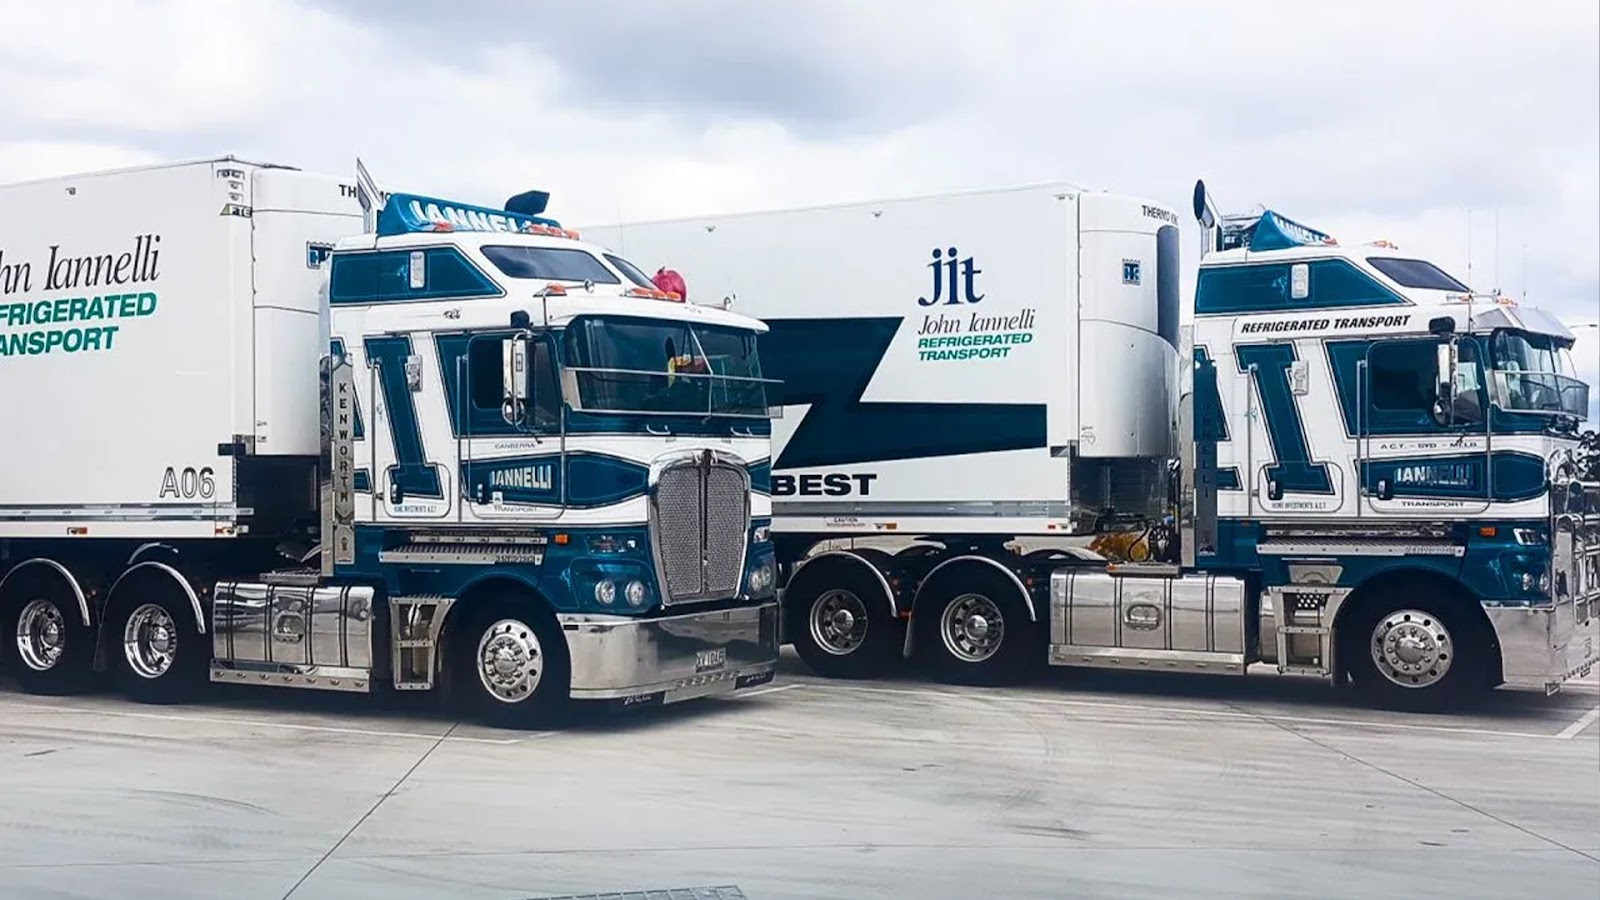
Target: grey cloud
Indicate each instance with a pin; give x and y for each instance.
(823, 69)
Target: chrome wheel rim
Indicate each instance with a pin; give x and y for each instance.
(1412, 649)
(839, 622)
(510, 661)
(972, 628)
(41, 635)
(150, 641)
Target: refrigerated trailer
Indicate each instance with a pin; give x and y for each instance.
(1348, 464)
(270, 427)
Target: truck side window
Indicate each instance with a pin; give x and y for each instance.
(1402, 379)
(546, 388)
(1402, 375)
(485, 373)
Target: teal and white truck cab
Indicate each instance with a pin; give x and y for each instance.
(540, 406)
(538, 477)
(1390, 456)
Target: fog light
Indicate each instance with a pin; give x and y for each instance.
(636, 593)
(605, 592)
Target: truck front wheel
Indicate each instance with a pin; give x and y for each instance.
(511, 665)
(52, 651)
(1420, 652)
(973, 627)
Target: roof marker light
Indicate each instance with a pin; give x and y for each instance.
(645, 293)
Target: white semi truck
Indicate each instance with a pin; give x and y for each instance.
(276, 428)
(1349, 464)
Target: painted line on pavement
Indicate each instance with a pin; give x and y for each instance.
(1192, 711)
(262, 723)
(766, 690)
(1582, 722)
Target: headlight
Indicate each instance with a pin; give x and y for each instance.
(605, 592)
(762, 534)
(636, 593)
(761, 579)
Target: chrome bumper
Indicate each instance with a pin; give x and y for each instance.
(673, 658)
(1545, 647)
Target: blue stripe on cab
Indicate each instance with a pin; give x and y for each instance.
(1264, 287)
(385, 277)
(1465, 476)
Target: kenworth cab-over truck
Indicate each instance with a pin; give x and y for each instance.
(275, 428)
(1348, 465)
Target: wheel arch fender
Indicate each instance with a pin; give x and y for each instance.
(966, 561)
(157, 567)
(153, 551)
(878, 573)
(1370, 591)
(977, 559)
(40, 563)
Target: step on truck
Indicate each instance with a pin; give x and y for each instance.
(1348, 464)
(269, 427)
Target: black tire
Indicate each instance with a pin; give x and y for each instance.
(510, 626)
(56, 654)
(153, 644)
(839, 621)
(970, 653)
(1416, 648)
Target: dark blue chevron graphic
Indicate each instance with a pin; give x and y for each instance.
(828, 364)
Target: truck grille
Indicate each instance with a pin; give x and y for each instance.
(699, 523)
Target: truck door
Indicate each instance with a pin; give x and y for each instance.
(414, 478)
(1411, 457)
(1295, 456)
(511, 468)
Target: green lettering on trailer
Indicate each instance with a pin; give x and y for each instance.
(57, 326)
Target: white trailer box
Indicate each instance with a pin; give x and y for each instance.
(996, 362)
(160, 331)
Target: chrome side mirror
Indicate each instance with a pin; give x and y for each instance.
(515, 384)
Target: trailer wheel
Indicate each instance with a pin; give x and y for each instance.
(51, 650)
(973, 628)
(839, 619)
(1415, 649)
(510, 665)
(158, 655)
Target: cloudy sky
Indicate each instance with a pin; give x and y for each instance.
(1396, 120)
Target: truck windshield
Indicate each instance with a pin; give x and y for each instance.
(548, 263)
(1416, 273)
(1534, 373)
(650, 366)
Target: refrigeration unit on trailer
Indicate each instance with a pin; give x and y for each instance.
(276, 428)
(1297, 478)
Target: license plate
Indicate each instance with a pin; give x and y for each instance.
(709, 660)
